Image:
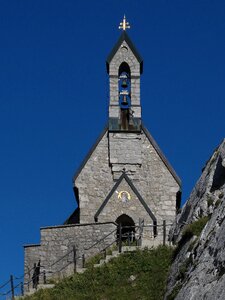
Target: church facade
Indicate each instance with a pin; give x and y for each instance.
(125, 172)
(125, 177)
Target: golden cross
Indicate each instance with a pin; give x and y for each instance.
(124, 25)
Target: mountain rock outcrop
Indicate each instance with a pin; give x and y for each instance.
(198, 268)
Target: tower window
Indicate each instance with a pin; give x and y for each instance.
(124, 86)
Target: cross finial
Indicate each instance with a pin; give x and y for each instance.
(124, 25)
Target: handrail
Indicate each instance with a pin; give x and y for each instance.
(2, 286)
(96, 243)
(75, 258)
(158, 225)
(61, 258)
(109, 245)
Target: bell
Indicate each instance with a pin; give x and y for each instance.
(124, 101)
(124, 84)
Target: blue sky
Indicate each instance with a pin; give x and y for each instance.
(54, 97)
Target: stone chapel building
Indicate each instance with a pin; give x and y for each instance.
(124, 178)
(125, 173)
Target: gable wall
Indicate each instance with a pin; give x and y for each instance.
(149, 175)
(94, 181)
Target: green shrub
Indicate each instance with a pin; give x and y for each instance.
(189, 231)
(196, 227)
(218, 202)
(210, 202)
(221, 195)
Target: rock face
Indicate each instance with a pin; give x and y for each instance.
(198, 268)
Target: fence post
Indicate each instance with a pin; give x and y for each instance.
(12, 287)
(120, 238)
(83, 260)
(155, 229)
(141, 225)
(44, 277)
(164, 232)
(21, 288)
(74, 260)
(129, 238)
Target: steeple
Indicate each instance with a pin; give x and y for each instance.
(124, 66)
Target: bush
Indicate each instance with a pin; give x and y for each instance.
(195, 228)
(189, 231)
(218, 202)
(221, 195)
(210, 202)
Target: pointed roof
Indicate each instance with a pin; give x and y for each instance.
(161, 155)
(124, 37)
(130, 183)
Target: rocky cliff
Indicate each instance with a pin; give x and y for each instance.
(198, 269)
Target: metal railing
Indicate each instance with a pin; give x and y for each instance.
(132, 234)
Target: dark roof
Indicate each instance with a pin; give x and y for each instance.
(124, 37)
(162, 156)
(124, 176)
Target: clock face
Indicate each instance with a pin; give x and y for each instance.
(124, 196)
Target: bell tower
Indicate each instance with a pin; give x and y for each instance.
(124, 66)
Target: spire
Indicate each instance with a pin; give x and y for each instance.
(124, 25)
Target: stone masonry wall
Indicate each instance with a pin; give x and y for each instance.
(124, 54)
(32, 255)
(147, 171)
(57, 241)
(94, 181)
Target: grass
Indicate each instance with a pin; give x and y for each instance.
(93, 260)
(135, 275)
(193, 229)
(196, 227)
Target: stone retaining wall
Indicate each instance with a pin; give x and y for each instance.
(57, 241)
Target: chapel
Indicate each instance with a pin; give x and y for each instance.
(125, 175)
(125, 182)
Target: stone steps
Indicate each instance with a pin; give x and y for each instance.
(39, 287)
(114, 254)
